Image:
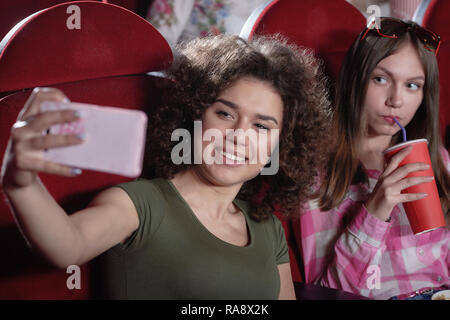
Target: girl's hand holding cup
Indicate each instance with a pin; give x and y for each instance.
(387, 192)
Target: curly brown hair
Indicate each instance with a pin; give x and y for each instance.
(204, 67)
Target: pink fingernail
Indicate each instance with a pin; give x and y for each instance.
(81, 136)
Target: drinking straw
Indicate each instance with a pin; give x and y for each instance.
(401, 127)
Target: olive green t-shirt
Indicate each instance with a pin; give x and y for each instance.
(173, 256)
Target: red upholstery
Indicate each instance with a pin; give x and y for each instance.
(329, 28)
(294, 250)
(437, 18)
(23, 275)
(108, 37)
(12, 12)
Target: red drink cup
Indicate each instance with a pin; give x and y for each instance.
(424, 214)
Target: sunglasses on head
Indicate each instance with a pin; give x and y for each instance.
(394, 28)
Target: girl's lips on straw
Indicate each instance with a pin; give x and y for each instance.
(389, 120)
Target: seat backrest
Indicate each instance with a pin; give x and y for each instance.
(12, 12)
(327, 27)
(106, 62)
(100, 45)
(435, 15)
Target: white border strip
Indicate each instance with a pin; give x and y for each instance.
(251, 20)
(420, 12)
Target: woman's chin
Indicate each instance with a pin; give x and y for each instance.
(386, 131)
(227, 175)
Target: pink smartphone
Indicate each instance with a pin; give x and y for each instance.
(114, 138)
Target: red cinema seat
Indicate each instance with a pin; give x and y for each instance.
(435, 15)
(105, 62)
(102, 47)
(12, 12)
(327, 27)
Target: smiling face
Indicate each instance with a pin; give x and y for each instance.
(395, 89)
(240, 130)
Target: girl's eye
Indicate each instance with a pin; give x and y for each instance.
(380, 80)
(224, 114)
(413, 86)
(260, 126)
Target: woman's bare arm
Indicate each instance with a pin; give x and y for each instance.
(65, 240)
(287, 291)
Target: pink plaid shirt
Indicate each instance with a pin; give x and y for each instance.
(367, 256)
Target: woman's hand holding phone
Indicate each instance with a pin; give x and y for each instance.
(24, 157)
(50, 137)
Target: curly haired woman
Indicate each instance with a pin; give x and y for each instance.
(199, 231)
